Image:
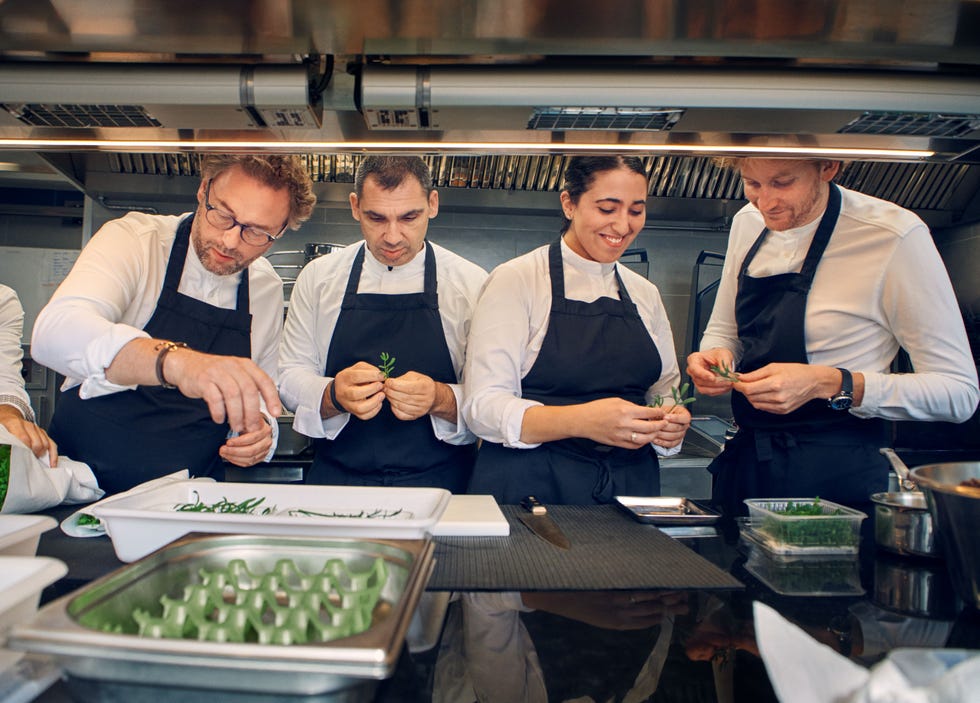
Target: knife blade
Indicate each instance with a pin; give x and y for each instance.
(541, 524)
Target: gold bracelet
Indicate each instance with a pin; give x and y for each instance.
(165, 348)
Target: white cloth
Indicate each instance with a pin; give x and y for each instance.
(70, 524)
(314, 306)
(11, 329)
(803, 670)
(510, 324)
(881, 284)
(111, 293)
(33, 485)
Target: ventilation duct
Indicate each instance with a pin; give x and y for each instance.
(696, 100)
(177, 96)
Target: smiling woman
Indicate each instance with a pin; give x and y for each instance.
(547, 386)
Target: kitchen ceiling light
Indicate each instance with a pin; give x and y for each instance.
(201, 145)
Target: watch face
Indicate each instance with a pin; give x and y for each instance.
(840, 402)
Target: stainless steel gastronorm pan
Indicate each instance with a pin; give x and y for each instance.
(301, 669)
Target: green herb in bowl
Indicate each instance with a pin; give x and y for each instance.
(808, 523)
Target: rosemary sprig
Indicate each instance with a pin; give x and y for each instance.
(678, 394)
(387, 364)
(724, 372)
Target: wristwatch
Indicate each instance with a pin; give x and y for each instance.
(845, 396)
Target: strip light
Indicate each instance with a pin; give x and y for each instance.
(482, 147)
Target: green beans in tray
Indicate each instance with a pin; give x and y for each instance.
(806, 522)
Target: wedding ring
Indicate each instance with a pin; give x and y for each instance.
(632, 436)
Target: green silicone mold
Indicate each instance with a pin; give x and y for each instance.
(283, 606)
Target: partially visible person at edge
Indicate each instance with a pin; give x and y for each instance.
(168, 327)
(820, 287)
(394, 294)
(16, 413)
(568, 352)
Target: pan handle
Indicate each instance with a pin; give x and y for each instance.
(901, 469)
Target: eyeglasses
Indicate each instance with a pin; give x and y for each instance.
(225, 221)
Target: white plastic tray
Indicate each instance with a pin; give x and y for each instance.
(142, 523)
(21, 581)
(20, 534)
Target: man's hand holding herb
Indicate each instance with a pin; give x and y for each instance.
(712, 371)
(359, 390)
(414, 395)
(782, 388)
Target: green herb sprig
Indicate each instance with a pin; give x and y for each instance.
(86, 520)
(244, 507)
(679, 396)
(387, 364)
(724, 372)
(378, 513)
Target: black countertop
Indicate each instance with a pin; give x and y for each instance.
(594, 643)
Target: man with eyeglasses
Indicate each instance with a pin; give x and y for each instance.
(167, 329)
(374, 342)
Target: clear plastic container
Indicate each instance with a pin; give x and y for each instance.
(832, 528)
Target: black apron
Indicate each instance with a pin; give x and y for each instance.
(812, 451)
(590, 351)
(137, 435)
(386, 451)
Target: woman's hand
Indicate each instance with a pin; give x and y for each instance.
(678, 419)
(619, 423)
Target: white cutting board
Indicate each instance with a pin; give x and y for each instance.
(472, 516)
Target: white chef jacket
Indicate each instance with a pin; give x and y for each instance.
(111, 293)
(881, 284)
(11, 329)
(510, 324)
(314, 306)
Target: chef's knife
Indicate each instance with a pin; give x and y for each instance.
(541, 524)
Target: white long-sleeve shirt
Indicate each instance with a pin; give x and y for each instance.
(881, 284)
(11, 353)
(111, 293)
(510, 324)
(314, 306)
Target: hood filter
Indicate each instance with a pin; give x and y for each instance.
(913, 124)
(617, 119)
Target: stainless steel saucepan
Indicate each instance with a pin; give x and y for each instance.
(902, 520)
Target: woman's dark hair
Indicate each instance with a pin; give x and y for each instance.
(582, 171)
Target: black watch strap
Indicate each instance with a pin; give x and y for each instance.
(846, 382)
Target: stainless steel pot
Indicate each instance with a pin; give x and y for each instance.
(902, 521)
(904, 525)
(956, 511)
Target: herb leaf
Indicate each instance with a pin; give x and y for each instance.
(387, 364)
(725, 372)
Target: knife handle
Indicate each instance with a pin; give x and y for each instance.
(533, 506)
